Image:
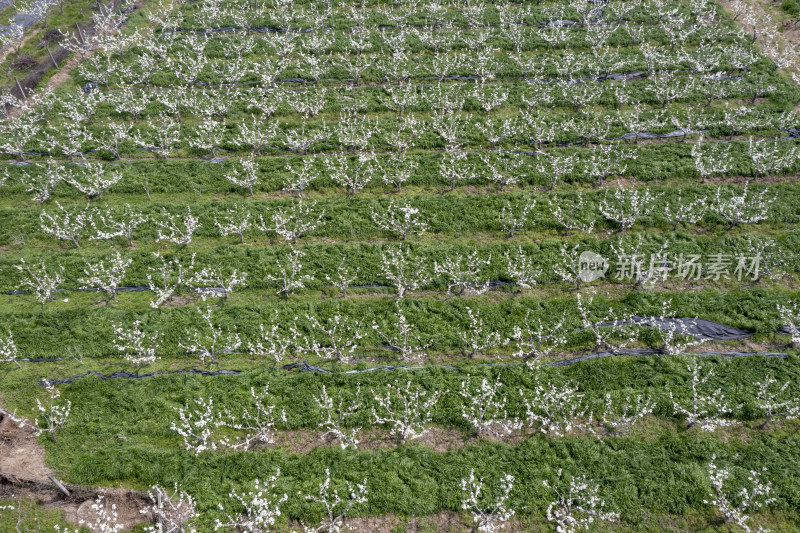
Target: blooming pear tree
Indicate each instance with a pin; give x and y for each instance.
(536, 342)
(39, 281)
(569, 269)
(210, 341)
(453, 167)
(404, 270)
(335, 415)
(704, 410)
(288, 277)
(476, 340)
(764, 258)
(408, 411)
(512, 223)
(675, 334)
(164, 280)
(577, 505)
(462, 273)
(196, 425)
(94, 180)
(293, 222)
(258, 422)
(42, 184)
(402, 338)
(485, 409)
(340, 335)
(683, 211)
(176, 228)
(236, 222)
(402, 220)
(65, 224)
(790, 316)
(504, 170)
(555, 410)
(753, 496)
(260, 507)
(711, 159)
(137, 345)
(343, 278)
(301, 178)
(522, 269)
(170, 513)
(620, 417)
(217, 282)
(488, 517)
(569, 214)
(646, 270)
(8, 350)
(770, 156)
(53, 414)
(109, 225)
(611, 333)
(774, 401)
(336, 507)
(554, 167)
(626, 206)
(247, 177)
(351, 174)
(272, 342)
(106, 276)
(745, 208)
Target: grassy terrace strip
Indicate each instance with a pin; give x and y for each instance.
(82, 323)
(138, 448)
(447, 217)
(668, 161)
(460, 116)
(324, 259)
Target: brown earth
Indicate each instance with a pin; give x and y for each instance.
(24, 474)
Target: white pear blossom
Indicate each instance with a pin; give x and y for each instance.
(335, 417)
(488, 517)
(408, 411)
(210, 341)
(485, 409)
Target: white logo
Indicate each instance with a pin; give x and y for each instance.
(591, 266)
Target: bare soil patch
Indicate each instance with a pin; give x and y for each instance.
(25, 474)
(303, 441)
(20, 453)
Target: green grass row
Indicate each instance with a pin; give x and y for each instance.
(83, 323)
(670, 163)
(131, 443)
(466, 220)
(338, 18)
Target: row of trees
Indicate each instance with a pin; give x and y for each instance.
(576, 504)
(315, 45)
(504, 168)
(551, 409)
(644, 265)
(446, 15)
(338, 337)
(623, 207)
(453, 129)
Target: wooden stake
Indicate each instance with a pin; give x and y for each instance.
(58, 484)
(21, 91)
(55, 63)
